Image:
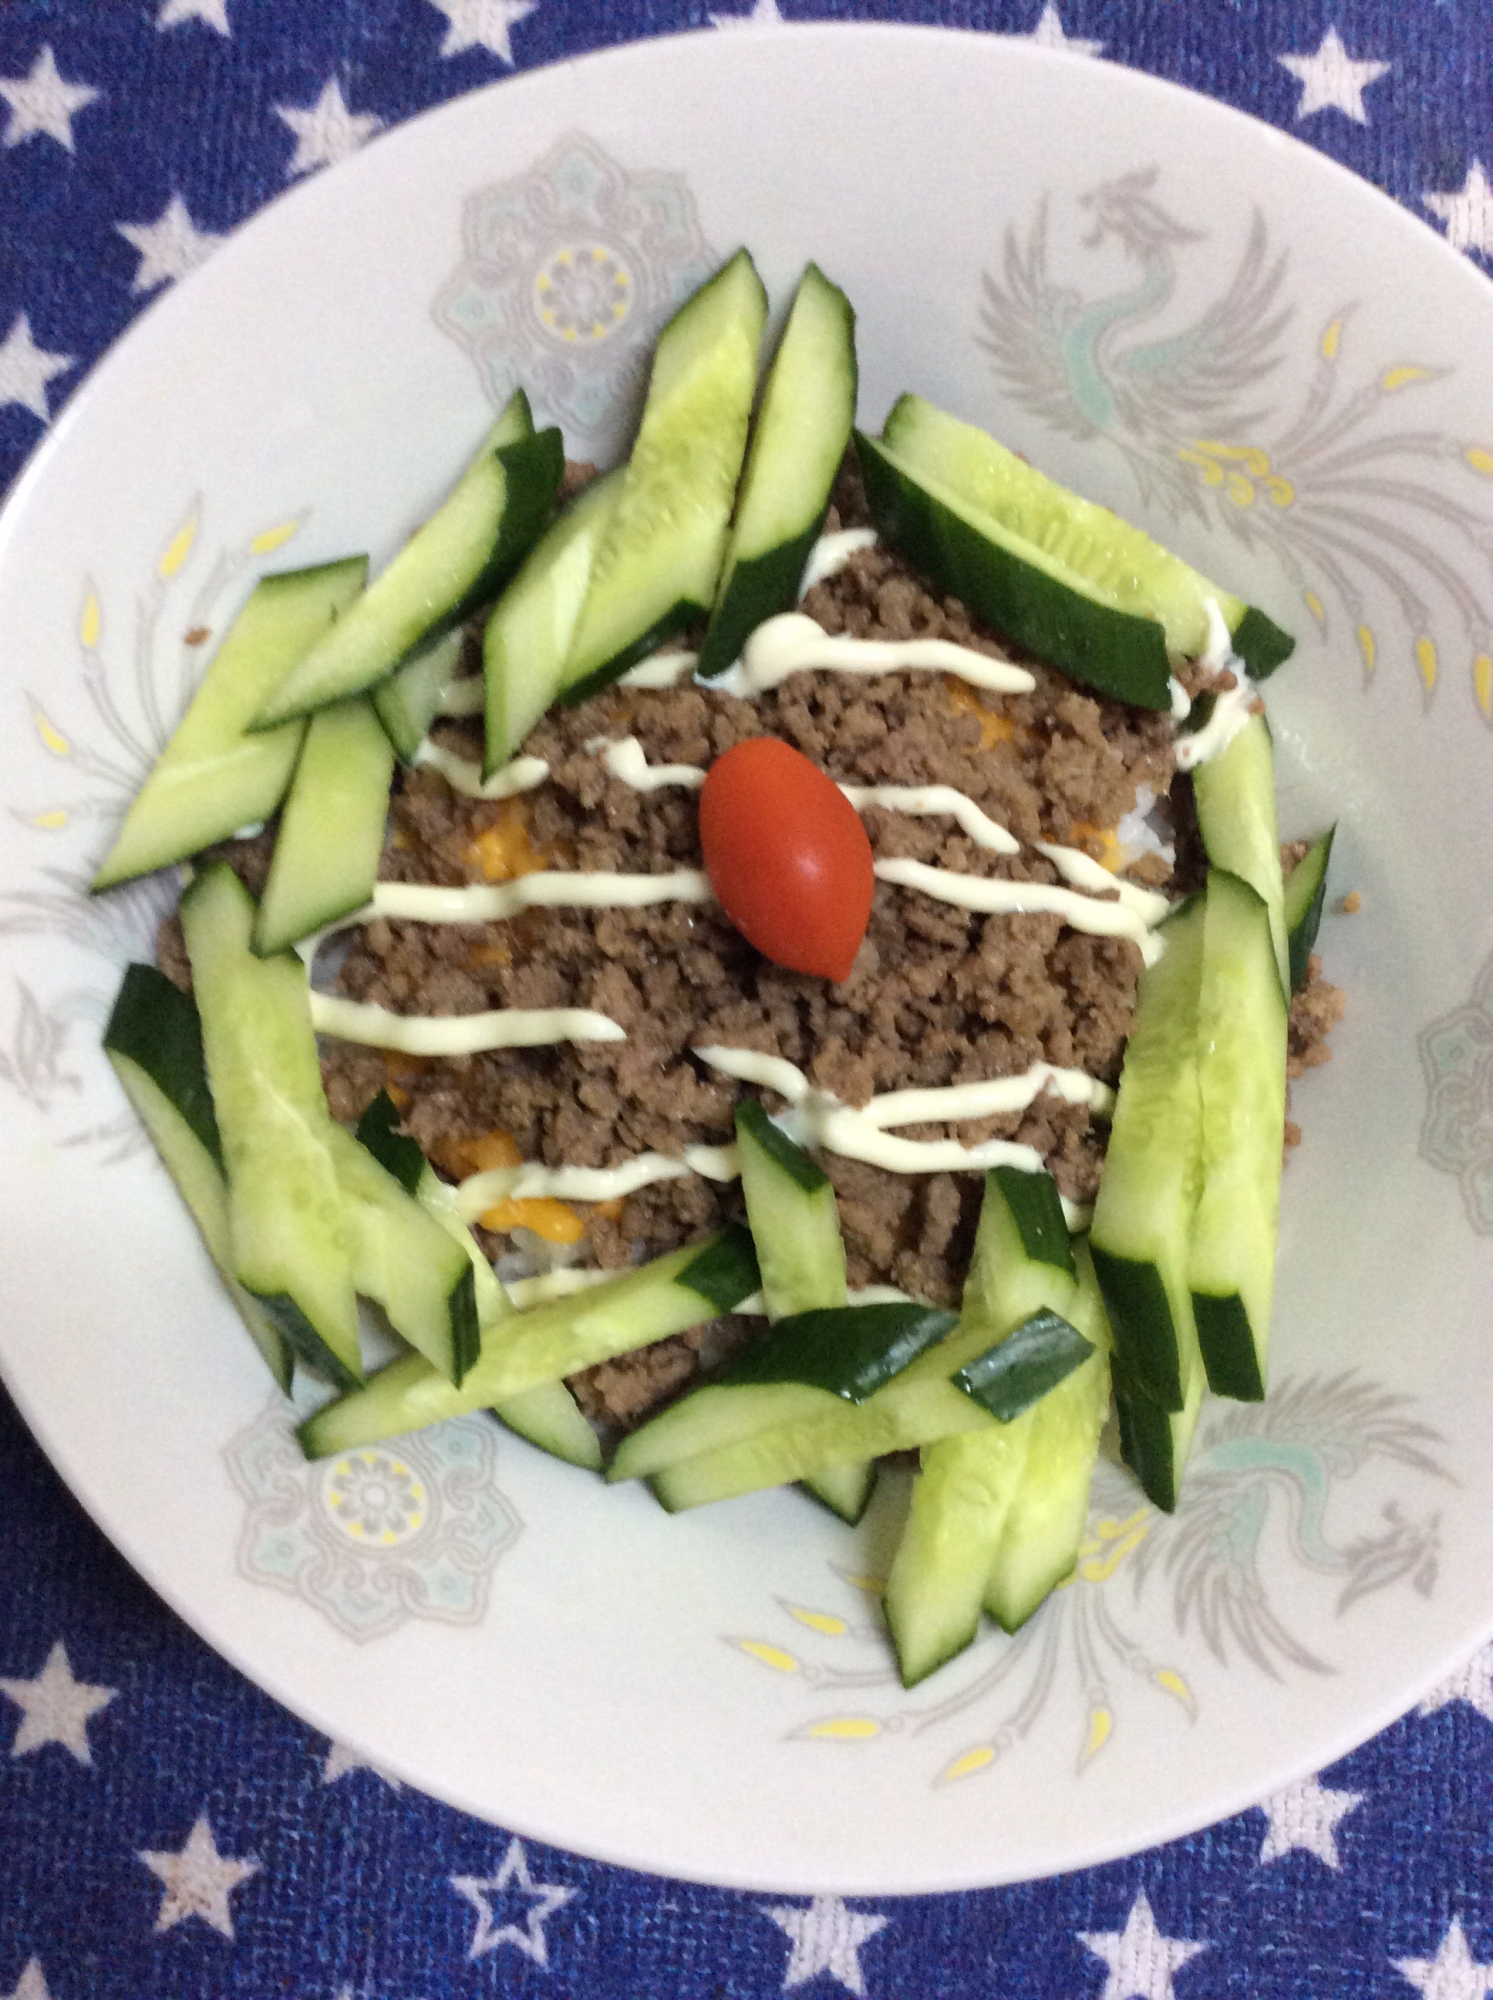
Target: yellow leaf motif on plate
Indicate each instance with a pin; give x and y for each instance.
(179, 547)
(844, 1729)
(1172, 1681)
(1425, 659)
(770, 1655)
(873, 1586)
(1480, 459)
(1112, 1541)
(1403, 376)
(50, 822)
(51, 736)
(1280, 489)
(1316, 607)
(1101, 1723)
(1212, 473)
(966, 1764)
(1482, 682)
(269, 539)
(90, 621)
(818, 1621)
(1369, 647)
(1241, 490)
(1332, 339)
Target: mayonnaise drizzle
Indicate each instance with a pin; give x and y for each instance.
(465, 776)
(534, 1182)
(459, 1034)
(792, 643)
(546, 889)
(627, 760)
(948, 1103)
(927, 801)
(831, 553)
(996, 898)
(659, 670)
(1084, 872)
(1231, 710)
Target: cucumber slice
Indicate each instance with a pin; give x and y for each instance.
(547, 1343)
(1026, 1366)
(657, 566)
(966, 1485)
(459, 560)
(214, 776)
(1142, 1227)
(1045, 1522)
(850, 1351)
(549, 1416)
(291, 1232)
(1305, 897)
(332, 828)
(845, 1489)
(154, 1042)
(1235, 797)
(1242, 1084)
(1106, 558)
(802, 429)
(410, 700)
(529, 633)
(1154, 1442)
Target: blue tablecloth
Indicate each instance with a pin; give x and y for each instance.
(165, 1830)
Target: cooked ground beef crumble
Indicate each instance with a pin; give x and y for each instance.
(937, 995)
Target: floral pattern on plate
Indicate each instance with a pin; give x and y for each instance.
(1456, 1053)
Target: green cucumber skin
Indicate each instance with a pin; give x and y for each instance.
(723, 1271)
(410, 699)
(197, 1172)
(1242, 1021)
(1148, 1193)
(1261, 643)
(759, 588)
(849, 1351)
(680, 615)
(756, 1129)
(216, 774)
(331, 830)
(1114, 651)
(403, 612)
(1154, 1442)
(1234, 793)
(1305, 900)
(154, 1025)
(666, 541)
(1028, 1364)
(793, 1216)
(1036, 1208)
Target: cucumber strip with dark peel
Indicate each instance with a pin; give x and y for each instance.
(410, 699)
(1154, 1442)
(657, 566)
(154, 1042)
(844, 1489)
(1234, 793)
(802, 429)
(1036, 1211)
(549, 1416)
(331, 830)
(850, 1351)
(1048, 1515)
(528, 635)
(215, 775)
(1305, 899)
(459, 560)
(724, 1271)
(1019, 1370)
(1142, 1229)
(1067, 536)
(544, 1344)
(1242, 1084)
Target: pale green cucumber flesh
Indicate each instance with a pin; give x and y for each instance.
(1305, 898)
(1013, 585)
(1143, 1215)
(215, 775)
(331, 830)
(532, 624)
(199, 1180)
(802, 429)
(1242, 1083)
(514, 421)
(292, 1235)
(844, 1489)
(410, 699)
(549, 1417)
(791, 1213)
(457, 561)
(1111, 556)
(664, 545)
(1235, 797)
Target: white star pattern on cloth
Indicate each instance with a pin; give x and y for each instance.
(326, 131)
(1331, 80)
(198, 1880)
(482, 24)
(341, 1759)
(43, 102)
(1141, 1961)
(1468, 216)
(1451, 1974)
(1048, 34)
(26, 369)
(169, 247)
(764, 14)
(213, 12)
(512, 1879)
(1304, 1815)
(827, 1937)
(32, 1986)
(54, 1707)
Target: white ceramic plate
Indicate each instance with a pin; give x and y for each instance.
(1192, 318)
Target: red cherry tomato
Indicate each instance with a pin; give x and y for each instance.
(787, 856)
